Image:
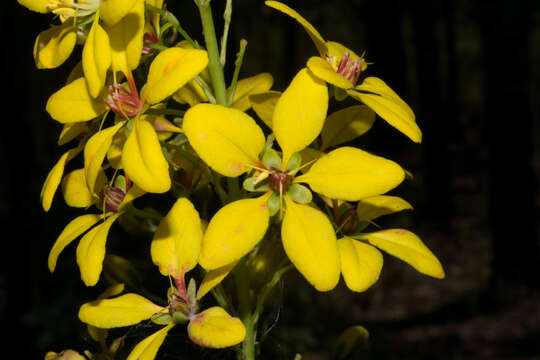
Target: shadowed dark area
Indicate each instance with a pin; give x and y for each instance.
(469, 70)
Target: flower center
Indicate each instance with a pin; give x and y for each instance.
(70, 8)
(114, 197)
(279, 180)
(348, 67)
(123, 101)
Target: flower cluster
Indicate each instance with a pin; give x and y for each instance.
(151, 117)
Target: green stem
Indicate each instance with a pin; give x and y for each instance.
(214, 65)
(170, 18)
(238, 65)
(244, 311)
(141, 213)
(227, 18)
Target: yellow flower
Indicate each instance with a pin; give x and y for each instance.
(175, 248)
(341, 67)
(230, 142)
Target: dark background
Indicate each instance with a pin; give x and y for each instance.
(469, 70)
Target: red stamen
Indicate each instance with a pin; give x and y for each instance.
(123, 101)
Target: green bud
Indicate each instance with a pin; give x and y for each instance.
(192, 292)
(294, 162)
(352, 340)
(161, 318)
(179, 318)
(249, 185)
(300, 194)
(120, 183)
(117, 344)
(271, 159)
(273, 204)
(339, 94)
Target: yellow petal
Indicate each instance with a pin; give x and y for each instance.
(75, 190)
(352, 174)
(214, 277)
(264, 104)
(54, 46)
(177, 241)
(91, 252)
(64, 355)
(233, 231)
(126, 37)
(114, 154)
(71, 131)
(361, 264)
(299, 114)
(226, 139)
(95, 151)
(35, 5)
(96, 58)
(124, 310)
(54, 177)
(310, 243)
(324, 71)
(249, 86)
(373, 207)
(148, 348)
(73, 103)
(309, 156)
(134, 192)
(215, 328)
(408, 247)
(312, 32)
(388, 105)
(143, 159)
(72, 231)
(191, 93)
(171, 70)
(346, 124)
(112, 11)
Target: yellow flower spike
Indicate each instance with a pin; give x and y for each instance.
(228, 140)
(408, 247)
(54, 177)
(310, 243)
(124, 310)
(233, 231)
(215, 328)
(249, 86)
(73, 230)
(73, 103)
(264, 104)
(75, 190)
(112, 11)
(95, 151)
(91, 252)
(148, 348)
(376, 206)
(143, 159)
(213, 278)
(35, 5)
(171, 70)
(177, 241)
(388, 105)
(96, 58)
(346, 124)
(351, 174)
(54, 46)
(318, 40)
(361, 264)
(126, 49)
(300, 113)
